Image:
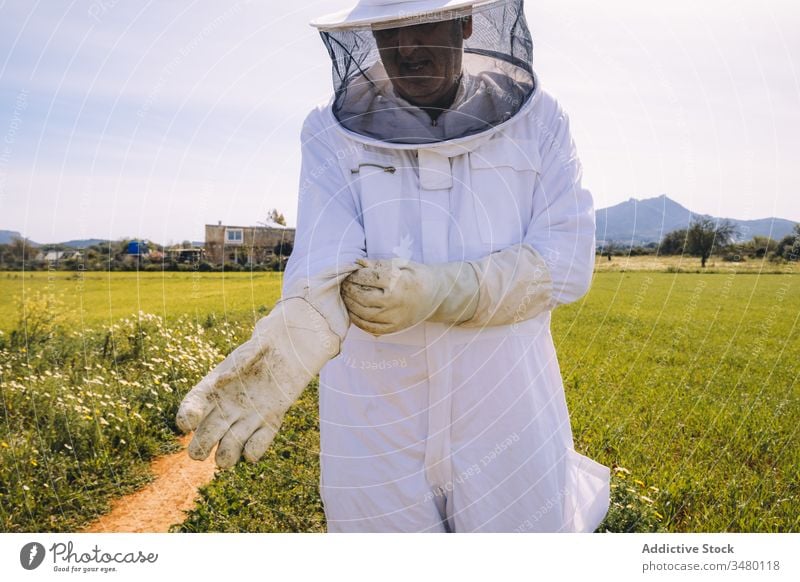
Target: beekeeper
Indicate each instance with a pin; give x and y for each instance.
(441, 219)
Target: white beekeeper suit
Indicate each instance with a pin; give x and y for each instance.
(448, 413)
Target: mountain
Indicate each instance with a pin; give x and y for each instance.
(82, 243)
(6, 236)
(643, 221)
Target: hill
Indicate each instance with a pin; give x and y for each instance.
(648, 220)
(82, 243)
(7, 236)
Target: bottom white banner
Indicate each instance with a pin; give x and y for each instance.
(406, 557)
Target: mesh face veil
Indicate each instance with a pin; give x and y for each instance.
(431, 76)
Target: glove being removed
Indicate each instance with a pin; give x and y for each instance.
(240, 404)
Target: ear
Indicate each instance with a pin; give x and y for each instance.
(466, 27)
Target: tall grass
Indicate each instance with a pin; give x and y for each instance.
(82, 411)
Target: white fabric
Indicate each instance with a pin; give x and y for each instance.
(240, 404)
(367, 12)
(434, 171)
(442, 427)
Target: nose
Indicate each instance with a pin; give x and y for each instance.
(407, 40)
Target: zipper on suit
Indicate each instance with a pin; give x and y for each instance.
(389, 169)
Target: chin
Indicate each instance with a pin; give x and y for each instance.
(420, 98)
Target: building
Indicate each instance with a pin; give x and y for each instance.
(54, 257)
(248, 245)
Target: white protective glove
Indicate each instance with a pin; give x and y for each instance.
(506, 287)
(389, 295)
(240, 404)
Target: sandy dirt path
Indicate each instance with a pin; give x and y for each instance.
(162, 502)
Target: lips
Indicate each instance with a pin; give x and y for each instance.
(414, 67)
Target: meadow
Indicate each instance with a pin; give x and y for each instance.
(686, 384)
(688, 264)
(92, 298)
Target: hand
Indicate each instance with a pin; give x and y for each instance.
(240, 404)
(390, 295)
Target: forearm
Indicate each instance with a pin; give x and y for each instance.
(458, 293)
(513, 285)
(503, 288)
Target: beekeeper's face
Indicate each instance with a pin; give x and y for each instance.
(424, 60)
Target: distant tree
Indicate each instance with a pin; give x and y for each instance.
(638, 251)
(789, 246)
(127, 263)
(276, 217)
(19, 249)
(6, 260)
(673, 243)
(608, 250)
(704, 236)
(762, 245)
(119, 248)
(103, 249)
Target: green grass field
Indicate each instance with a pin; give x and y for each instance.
(94, 298)
(691, 383)
(686, 384)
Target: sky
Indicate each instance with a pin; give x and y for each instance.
(150, 119)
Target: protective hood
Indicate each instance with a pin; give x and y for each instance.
(428, 77)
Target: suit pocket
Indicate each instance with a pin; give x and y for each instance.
(503, 174)
(386, 212)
